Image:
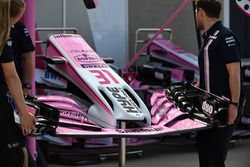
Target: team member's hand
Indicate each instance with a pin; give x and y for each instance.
(197, 84)
(27, 122)
(232, 114)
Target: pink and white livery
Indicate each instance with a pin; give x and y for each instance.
(113, 100)
(110, 98)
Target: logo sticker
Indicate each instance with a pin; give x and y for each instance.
(207, 108)
(124, 100)
(84, 58)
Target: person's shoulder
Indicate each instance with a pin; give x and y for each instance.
(227, 38)
(225, 31)
(227, 34)
(19, 26)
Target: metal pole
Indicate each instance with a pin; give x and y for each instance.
(64, 14)
(122, 146)
(29, 21)
(226, 13)
(198, 33)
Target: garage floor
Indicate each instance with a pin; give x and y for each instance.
(166, 155)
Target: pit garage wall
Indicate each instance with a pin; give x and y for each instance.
(153, 13)
(110, 29)
(109, 25)
(49, 14)
(104, 28)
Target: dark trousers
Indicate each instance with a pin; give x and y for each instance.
(212, 146)
(11, 137)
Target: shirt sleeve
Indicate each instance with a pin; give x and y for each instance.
(7, 54)
(26, 44)
(229, 48)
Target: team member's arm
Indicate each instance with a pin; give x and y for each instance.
(27, 121)
(230, 52)
(28, 70)
(234, 84)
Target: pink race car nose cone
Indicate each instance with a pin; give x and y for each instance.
(244, 5)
